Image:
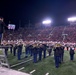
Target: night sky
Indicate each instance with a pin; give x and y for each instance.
(37, 10)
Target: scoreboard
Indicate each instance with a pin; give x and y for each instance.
(11, 26)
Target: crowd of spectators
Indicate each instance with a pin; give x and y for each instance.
(46, 34)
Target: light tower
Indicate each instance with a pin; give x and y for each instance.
(46, 22)
(72, 20)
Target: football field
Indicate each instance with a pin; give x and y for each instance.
(45, 66)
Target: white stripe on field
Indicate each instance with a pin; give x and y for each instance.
(32, 71)
(21, 69)
(47, 74)
(21, 63)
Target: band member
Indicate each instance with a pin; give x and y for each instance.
(35, 53)
(50, 50)
(71, 52)
(14, 49)
(56, 56)
(6, 48)
(40, 51)
(44, 50)
(19, 51)
(27, 50)
(62, 53)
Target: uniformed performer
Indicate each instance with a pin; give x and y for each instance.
(50, 50)
(40, 51)
(71, 52)
(19, 51)
(35, 53)
(56, 56)
(14, 49)
(44, 50)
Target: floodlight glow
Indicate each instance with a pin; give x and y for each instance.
(72, 19)
(46, 22)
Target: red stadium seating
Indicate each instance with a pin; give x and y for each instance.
(46, 34)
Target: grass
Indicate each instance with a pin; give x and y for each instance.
(46, 65)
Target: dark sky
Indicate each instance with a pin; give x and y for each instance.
(37, 10)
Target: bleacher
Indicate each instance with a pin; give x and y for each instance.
(46, 34)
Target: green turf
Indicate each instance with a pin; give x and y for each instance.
(14, 60)
(47, 65)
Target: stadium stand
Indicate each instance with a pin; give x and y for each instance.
(46, 34)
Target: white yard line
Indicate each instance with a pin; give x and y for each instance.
(47, 74)
(32, 71)
(21, 69)
(21, 63)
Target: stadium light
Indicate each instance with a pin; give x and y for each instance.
(46, 22)
(72, 19)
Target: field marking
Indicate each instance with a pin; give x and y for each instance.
(21, 63)
(32, 71)
(47, 74)
(24, 62)
(21, 69)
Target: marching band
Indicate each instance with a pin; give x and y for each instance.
(39, 50)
